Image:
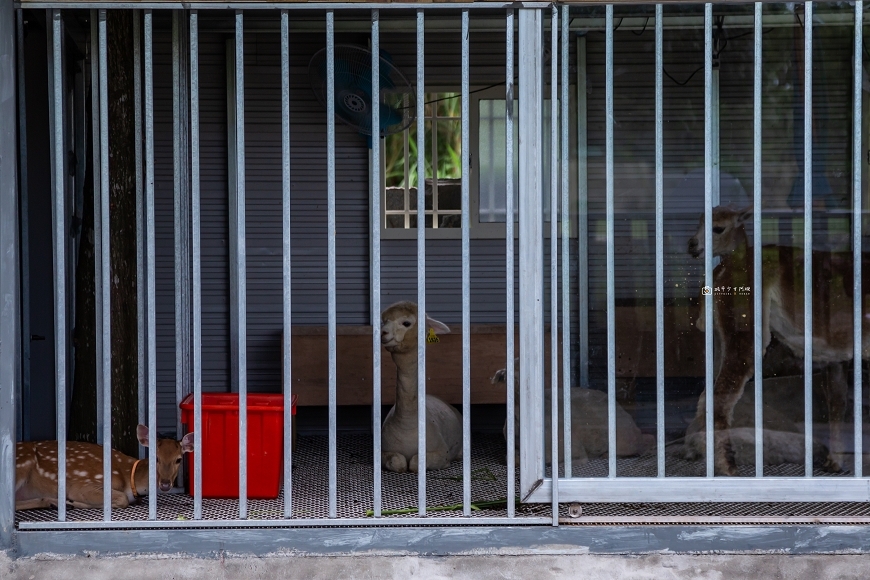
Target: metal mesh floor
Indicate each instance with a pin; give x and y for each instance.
(444, 492)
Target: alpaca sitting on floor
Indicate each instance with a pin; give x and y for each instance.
(588, 423)
(399, 431)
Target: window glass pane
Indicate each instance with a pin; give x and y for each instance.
(395, 221)
(395, 198)
(449, 194)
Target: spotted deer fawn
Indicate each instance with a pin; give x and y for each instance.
(36, 472)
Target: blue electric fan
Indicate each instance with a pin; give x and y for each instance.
(353, 90)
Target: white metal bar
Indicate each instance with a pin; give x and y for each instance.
(708, 231)
(98, 218)
(857, 240)
(566, 238)
(509, 261)
(660, 249)
(140, 224)
(421, 259)
(241, 298)
(611, 289)
(196, 285)
(376, 261)
(466, 273)
(808, 239)
(756, 235)
(150, 267)
(105, 271)
(554, 259)
(287, 379)
(59, 219)
(531, 258)
(330, 240)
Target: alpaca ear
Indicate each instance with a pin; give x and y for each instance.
(437, 326)
(745, 214)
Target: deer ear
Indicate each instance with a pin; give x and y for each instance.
(436, 326)
(187, 443)
(142, 435)
(745, 214)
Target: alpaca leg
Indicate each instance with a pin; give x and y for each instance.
(395, 462)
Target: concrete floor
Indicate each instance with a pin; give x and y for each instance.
(538, 567)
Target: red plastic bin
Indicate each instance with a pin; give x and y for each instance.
(220, 444)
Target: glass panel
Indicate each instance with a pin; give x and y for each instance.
(395, 221)
(449, 194)
(395, 198)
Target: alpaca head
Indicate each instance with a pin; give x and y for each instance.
(399, 327)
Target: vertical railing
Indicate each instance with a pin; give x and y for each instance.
(376, 261)
(286, 264)
(59, 223)
(857, 239)
(96, 172)
(660, 247)
(611, 303)
(141, 378)
(196, 247)
(808, 239)
(105, 313)
(757, 238)
(554, 260)
(708, 234)
(565, 221)
(330, 241)
(466, 272)
(510, 326)
(421, 261)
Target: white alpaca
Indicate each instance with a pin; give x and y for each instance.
(399, 431)
(588, 424)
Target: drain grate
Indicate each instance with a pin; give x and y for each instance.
(444, 489)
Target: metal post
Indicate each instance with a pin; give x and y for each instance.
(531, 258)
(150, 269)
(421, 263)
(287, 264)
(97, 174)
(466, 277)
(59, 221)
(105, 271)
(857, 244)
(9, 274)
(330, 243)
(756, 235)
(660, 251)
(24, 236)
(808, 240)
(611, 302)
(241, 298)
(566, 238)
(197, 262)
(376, 260)
(510, 326)
(140, 222)
(708, 228)
(554, 260)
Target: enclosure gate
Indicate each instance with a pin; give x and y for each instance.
(531, 20)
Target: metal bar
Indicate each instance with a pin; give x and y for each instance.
(140, 222)
(330, 239)
(756, 235)
(582, 218)
(531, 258)
(197, 263)
(808, 239)
(708, 230)
(287, 379)
(241, 298)
(611, 289)
(660, 249)
(105, 270)
(510, 326)
(566, 238)
(857, 243)
(313, 6)
(23, 403)
(59, 218)
(466, 275)
(9, 273)
(98, 217)
(296, 523)
(554, 260)
(150, 268)
(376, 261)
(421, 261)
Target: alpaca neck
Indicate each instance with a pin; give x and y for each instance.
(406, 383)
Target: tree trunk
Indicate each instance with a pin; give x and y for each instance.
(122, 235)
